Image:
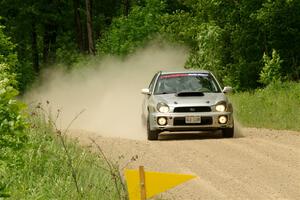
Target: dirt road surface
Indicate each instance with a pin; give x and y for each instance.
(257, 164)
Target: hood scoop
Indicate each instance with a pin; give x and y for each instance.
(190, 94)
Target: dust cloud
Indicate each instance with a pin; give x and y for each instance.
(238, 129)
(108, 91)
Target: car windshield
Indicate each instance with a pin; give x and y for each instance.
(186, 82)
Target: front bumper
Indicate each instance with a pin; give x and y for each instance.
(176, 121)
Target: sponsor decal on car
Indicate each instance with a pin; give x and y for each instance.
(181, 75)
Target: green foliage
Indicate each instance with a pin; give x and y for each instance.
(274, 107)
(12, 123)
(205, 39)
(271, 72)
(23, 70)
(180, 27)
(7, 53)
(67, 54)
(227, 37)
(46, 173)
(129, 32)
(222, 37)
(209, 52)
(280, 24)
(12, 126)
(25, 75)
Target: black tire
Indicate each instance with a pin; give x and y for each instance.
(151, 135)
(228, 132)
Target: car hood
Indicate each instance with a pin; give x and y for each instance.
(209, 99)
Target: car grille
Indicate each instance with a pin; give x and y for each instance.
(180, 121)
(192, 109)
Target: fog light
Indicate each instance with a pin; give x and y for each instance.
(162, 121)
(222, 119)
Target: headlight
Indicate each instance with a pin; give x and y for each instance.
(163, 108)
(220, 107)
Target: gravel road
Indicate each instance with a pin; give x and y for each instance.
(257, 164)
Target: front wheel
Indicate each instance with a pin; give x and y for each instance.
(228, 132)
(151, 135)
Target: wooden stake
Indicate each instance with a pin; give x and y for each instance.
(142, 183)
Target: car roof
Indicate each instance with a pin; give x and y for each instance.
(185, 72)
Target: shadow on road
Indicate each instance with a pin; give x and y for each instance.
(196, 135)
(190, 135)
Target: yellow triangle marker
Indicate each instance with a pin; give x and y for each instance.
(155, 182)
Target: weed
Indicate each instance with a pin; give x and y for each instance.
(55, 167)
(275, 107)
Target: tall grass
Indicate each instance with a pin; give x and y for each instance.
(276, 106)
(45, 171)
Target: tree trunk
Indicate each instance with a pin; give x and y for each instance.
(49, 43)
(91, 48)
(78, 25)
(126, 4)
(34, 49)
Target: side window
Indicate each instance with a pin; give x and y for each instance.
(152, 82)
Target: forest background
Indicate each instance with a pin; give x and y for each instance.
(246, 44)
(252, 46)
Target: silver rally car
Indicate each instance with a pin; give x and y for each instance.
(186, 101)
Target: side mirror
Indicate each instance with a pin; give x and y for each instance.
(146, 91)
(227, 89)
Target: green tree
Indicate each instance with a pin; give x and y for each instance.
(227, 37)
(271, 72)
(280, 23)
(210, 49)
(223, 37)
(12, 123)
(129, 32)
(7, 53)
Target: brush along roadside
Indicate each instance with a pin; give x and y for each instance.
(56, 167)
